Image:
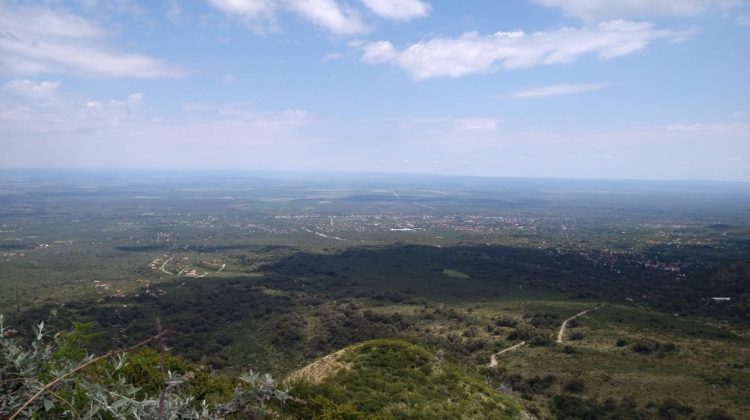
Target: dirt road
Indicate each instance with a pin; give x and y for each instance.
(560, 335)
(564, 325)
(164, 265)
(493, 359)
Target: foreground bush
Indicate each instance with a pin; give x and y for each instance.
(55, 378)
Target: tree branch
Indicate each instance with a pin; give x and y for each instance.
(50, 385)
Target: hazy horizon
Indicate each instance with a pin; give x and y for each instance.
(210, 175)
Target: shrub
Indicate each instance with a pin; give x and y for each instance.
(576, 335)
(518, 334)
(651, 346)
(671, 409)
(718, 414)
(506, 322)
(541, 320)
(644, 347)
(574, 385)
(540, 341)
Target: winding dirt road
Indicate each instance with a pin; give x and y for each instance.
(561, 333)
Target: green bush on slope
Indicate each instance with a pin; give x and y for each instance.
(396, 379)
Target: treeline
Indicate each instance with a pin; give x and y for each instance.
(417, 268)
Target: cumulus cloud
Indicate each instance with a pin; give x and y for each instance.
(474, 53)
(556, 90)
(398, 10)
(36, 40)
(597, 10)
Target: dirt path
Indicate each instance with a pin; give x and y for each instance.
(560, 335)
(564, 325)
(163, 265)
(493, 359)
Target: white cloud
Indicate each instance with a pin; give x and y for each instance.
(42, 107)
(134, 98)
(398, 10)
(327, 14)
(261, 14)
(379, 52)
(556, 90)
(743, 20)
(597, 10)
(30, 89)
(65, 129)
(28, 106)
(473, 53)
(332, 15)
(248, 8)
(39, 40)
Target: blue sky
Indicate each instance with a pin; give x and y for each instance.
(644, 89)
